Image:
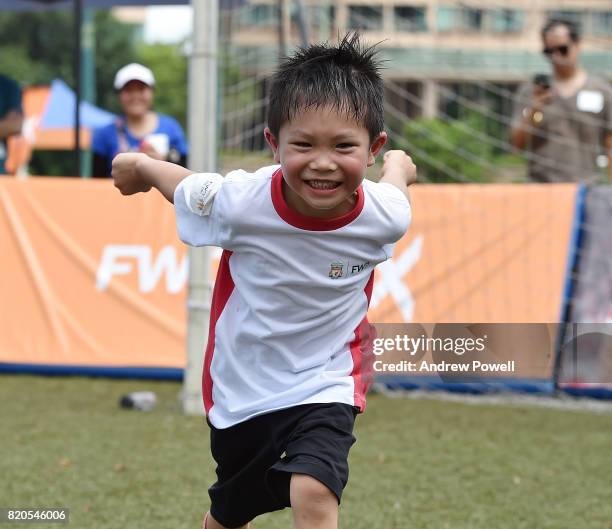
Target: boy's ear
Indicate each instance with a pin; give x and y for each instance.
(273, 143)
(376, 146)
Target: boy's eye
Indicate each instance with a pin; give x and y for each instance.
(301, 144)
(345, 146)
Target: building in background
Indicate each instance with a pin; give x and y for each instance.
(134, 16)
(443, 54)
(449, 59)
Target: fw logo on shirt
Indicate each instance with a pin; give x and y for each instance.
(337, 269)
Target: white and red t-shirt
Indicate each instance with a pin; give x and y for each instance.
(291, 293)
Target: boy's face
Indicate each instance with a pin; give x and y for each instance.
(324, 155)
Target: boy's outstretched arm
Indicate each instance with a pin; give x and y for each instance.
(399, 170)
(137, 173)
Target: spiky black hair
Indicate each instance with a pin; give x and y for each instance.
(346, 77)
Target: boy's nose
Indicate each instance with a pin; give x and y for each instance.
(323, 163)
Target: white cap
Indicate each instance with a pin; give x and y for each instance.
(134, 72)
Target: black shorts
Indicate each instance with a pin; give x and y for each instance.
(255, 458)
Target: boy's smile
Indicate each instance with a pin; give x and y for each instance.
(324, 155)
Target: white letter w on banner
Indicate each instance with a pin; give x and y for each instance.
(116, 261)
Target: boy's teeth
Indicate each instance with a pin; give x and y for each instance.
(322, 184)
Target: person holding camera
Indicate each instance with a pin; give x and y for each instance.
(564, 120)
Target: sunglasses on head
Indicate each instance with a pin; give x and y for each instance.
(563, 50)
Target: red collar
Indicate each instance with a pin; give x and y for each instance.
(306, 222)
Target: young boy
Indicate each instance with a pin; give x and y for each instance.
(283, 377)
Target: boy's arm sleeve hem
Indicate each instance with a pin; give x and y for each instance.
(198, 222)
(199, 191)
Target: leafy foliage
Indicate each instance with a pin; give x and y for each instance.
(170, 68)
(445, 150)
(35, 46)
(116, 46)
(38, 47)
(470, 148)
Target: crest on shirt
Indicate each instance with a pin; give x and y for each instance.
(336, 270)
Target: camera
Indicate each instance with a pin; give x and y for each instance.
(542, 80)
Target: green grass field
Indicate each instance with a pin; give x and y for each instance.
(417, 464)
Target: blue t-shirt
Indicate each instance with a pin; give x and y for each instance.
(106, 140)
(10, 99)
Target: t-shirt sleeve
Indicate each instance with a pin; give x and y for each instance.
(199, 204)
(392, 212)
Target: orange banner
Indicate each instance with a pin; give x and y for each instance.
(479, 253)
(91, 278)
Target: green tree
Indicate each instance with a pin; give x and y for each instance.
(36, 48)
(39, 47)
(17, 64)
(116, 46)
(169, 65)
(445, 151)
